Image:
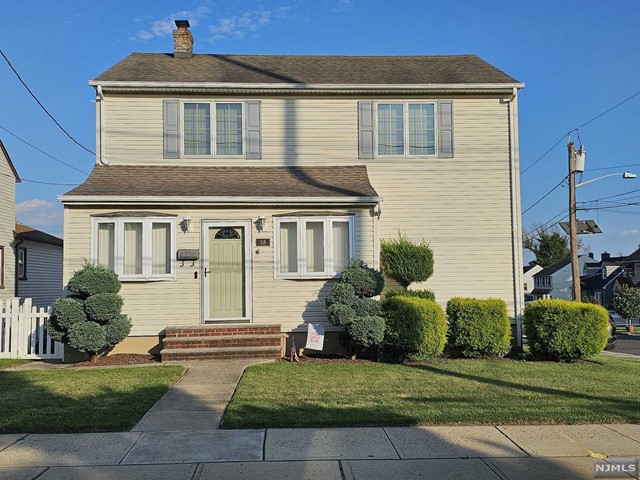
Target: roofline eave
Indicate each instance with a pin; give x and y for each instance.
(208, 200)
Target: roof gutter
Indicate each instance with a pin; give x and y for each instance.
(222, 200)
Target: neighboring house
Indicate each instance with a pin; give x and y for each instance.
(8, 179)
(601, 279)
(39, 265)
(555, 281)
(230, 189)
(528, 282)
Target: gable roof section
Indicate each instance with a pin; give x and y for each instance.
(5, 154)
(554, 267)
(273, 184)
(25, 232)
(305, 69)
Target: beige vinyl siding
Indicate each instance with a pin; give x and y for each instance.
(44, 273)
(462, 206)
(153, 305)
(7, 225)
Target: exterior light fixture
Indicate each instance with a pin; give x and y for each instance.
(260, 223)
(185, 224)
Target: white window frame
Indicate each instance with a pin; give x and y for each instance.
(213, 130)
(147, 245)
(21, 263)
(301, 221)
(405, 126)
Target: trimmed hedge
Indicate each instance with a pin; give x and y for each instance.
(416, 327)
(478, 327)
(406, 262)
(66, 312)
(401, 292)
(366, 331)
(103, 307)
(92, 279)
(366, 281)
(117, 330)
(87, 337)
(341, 293)
(564, 330)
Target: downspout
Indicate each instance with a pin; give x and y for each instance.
(516, 233)
(375, 215)
(16, 244)
(100, 104)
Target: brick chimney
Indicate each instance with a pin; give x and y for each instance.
(605, 256)
(182, 40)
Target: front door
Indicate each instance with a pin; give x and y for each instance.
(226, 272)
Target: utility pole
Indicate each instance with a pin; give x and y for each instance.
(573, 224)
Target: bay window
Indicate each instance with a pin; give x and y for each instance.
(135, 248)
(316, 247)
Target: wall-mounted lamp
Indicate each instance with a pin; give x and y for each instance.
(185, 224)
(260, 223)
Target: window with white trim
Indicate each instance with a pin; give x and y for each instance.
(22, 263)
(313, 247)
(406, 129)
(136, 248)
(213, 129)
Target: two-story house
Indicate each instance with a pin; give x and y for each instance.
(8, 179)
(231, 189)
(555, 281)
(601, 279)
(528, 282)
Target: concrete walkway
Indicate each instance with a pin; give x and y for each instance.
(179, 439)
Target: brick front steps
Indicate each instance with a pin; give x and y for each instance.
(222, 341)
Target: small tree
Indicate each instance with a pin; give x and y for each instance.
(627, 301)
(90, 319)
(548, 245)
(406, 262)
(349, 305)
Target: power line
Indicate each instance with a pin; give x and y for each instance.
(545, 195)
(42, 151)
(614, 167)
(607, 111)
(612, 196)
(43, 107)
(544, 154)
(22, 179)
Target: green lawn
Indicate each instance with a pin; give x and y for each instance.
(11, 362)
(74, 400)
(443, 392)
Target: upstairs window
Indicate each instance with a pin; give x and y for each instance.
(135, 248)
(227, 137)
(315, 247)
(406, 129)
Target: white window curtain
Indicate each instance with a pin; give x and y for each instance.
(106, 244)
(422, 134)
(390, 129)
(340, 239)
(288, 247)
(161, 248)
(315, 247)
(197, 129)
(228, 129)
(132, 248)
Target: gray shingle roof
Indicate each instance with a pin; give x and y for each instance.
(306, 69)
(200, 181)
(25, 232)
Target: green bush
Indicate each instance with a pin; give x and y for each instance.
(340, 314)
(367, 282)
(401, 292)
(55, 331)
(627, 301)
(478, 328)
(366, 307)
(416, 328)
(341, 293)
(87, 337)
(117, 330)
(66, 312)
(367, 331)
(103, 307)
(92, 279)
(564, 330)
(406, 262)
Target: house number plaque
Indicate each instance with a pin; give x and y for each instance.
(263, 242)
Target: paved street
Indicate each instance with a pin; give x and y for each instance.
(629, 344)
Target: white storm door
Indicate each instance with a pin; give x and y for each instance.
(226, 271)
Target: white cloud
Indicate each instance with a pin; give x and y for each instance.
(238, 25)
(628, 233)
(39, 213)
(164, 26)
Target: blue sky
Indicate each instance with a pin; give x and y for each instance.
(577, 58)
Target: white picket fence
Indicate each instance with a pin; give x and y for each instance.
(23, 331)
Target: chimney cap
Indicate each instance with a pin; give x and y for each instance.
(182, 23)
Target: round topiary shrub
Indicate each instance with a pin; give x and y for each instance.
(401, 292)
(341, 293)
(92, 279)
(478, 328)
(87, 336)
(117, 330)
(367, 331)
(55, 331)
(340, 314)
(564, 330)
(416, 328)
(367, 282)
(66, 312)
(103, 307)
(406, 262)
(367, 307)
